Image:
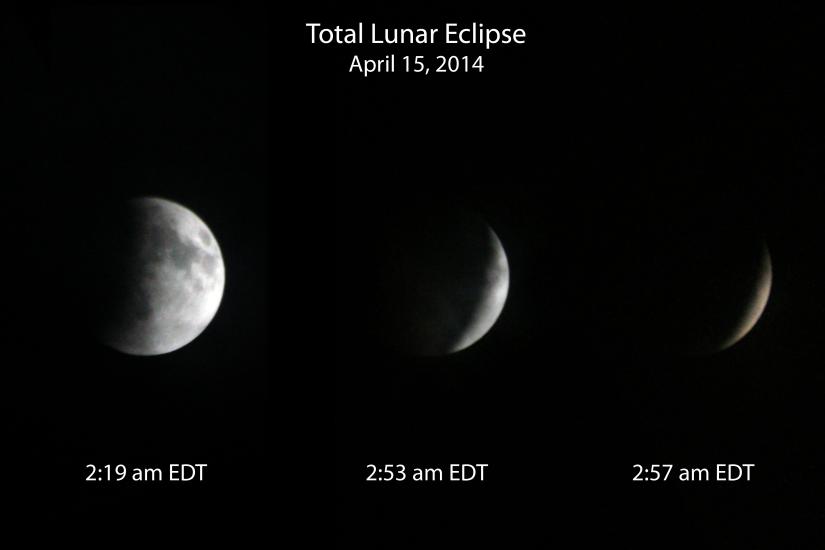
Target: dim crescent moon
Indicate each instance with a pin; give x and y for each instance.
(496, 283)
(754, 309)
(444, 282)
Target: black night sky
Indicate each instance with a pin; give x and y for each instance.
(600, 152)
(102, 104)
(608, 153)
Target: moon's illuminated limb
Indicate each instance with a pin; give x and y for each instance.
(762, 290)
(497, 284)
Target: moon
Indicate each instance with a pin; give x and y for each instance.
(495, 282)
(162, 281)
(698, 287)
(446, 281)
(733, 293)
(761, 290)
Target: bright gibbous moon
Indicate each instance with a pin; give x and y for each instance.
(168, 280)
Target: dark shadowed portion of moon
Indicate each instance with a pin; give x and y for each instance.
(444, 280)
(160, 277)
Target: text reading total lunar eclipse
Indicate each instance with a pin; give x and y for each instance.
(453, 33)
